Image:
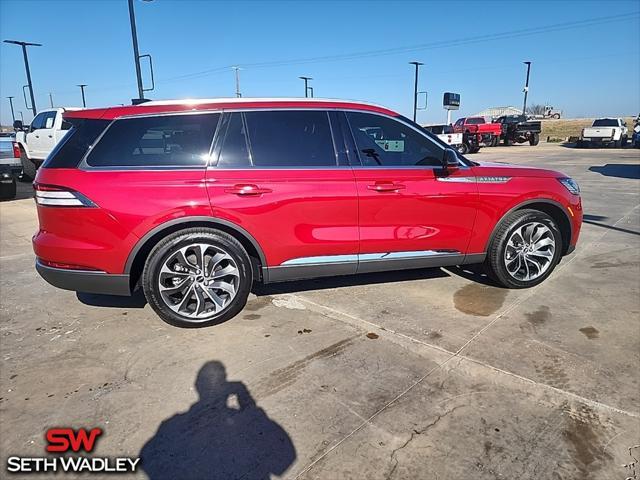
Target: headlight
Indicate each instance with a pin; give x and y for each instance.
(570, 184)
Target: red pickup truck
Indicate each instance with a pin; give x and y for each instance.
(488, 134)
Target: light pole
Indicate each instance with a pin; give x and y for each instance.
(13, 115)
(136, 52)
(24, 46)
(526, 88)
(306, 87)
(237, 69)
(84, 103)
(415, 89)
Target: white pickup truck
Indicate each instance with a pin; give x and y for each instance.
(605, 131)
(38, 139)
(445, 133)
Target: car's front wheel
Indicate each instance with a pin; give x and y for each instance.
(197, 277)
(525, 249)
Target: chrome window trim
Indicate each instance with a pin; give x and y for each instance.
(84, 166)
(209, 165)
(369, 257)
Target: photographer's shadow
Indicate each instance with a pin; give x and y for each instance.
(224, 435)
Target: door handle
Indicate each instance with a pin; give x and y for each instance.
(386, 187)
(50, 136)
(246, 190)
(37, 136)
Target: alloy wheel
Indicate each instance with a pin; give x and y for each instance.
(198, 281)
(530, 251)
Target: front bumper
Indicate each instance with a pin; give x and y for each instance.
(85, 281)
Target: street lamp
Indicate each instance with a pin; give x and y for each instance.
(13, 115)
(137, 56)
(24, 46)
(526, 88)
(306, 87)
(415, 89)
(84, 103)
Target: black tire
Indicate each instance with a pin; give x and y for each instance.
(617, 144)
(556, 116)
(495, 263)
(495, 140)
(8, 187)
(508, 142)
(624, 141)
(168, 246)
(474, 149)
(579, 144)
(463, 148)
(28, 167)
(534, 140)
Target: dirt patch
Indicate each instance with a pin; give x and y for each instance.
(590, 332)
(252, 316)
(479, 300)
(372, 335)
(258, 303)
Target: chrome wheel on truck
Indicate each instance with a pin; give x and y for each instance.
(197, 277)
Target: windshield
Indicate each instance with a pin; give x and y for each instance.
(605, 122)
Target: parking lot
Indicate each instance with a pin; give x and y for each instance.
(430, 374)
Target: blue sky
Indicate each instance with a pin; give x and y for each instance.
(587, 70)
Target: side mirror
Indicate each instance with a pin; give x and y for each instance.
(17, 125)
(450, 160)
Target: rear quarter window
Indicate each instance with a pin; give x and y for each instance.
(74, 145)
(159, 141)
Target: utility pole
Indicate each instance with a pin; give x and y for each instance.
(311, 91)
(237, 69)
(13, 115)
(415, 90)
(526, 88)
(84, 103)
(306, 85)
(24, 46)
(50, 99)
(21, 116)
(136, 53)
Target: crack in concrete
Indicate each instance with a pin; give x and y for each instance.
(393, 456)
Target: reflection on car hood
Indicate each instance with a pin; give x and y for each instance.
(511, 170)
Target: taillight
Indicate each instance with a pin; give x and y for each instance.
(53, 196)
(16, 150)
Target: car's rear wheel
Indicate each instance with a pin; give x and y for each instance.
(28, 167)
(525, 249)
(197, 277)
(463, 148)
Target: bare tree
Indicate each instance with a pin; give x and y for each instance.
(535, 109)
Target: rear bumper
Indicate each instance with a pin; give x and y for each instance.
(85, 280)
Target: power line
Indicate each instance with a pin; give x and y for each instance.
(419, 47)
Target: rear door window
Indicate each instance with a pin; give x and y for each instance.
(159, 141)
(290, 138)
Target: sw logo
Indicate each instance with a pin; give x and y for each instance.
(67, 440)
(63, 439)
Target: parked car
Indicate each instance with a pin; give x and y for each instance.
(447, 135)
(9, 152)
(604, 132)
(193, 201)
(517, 129)
(38, 139)
(487, 134)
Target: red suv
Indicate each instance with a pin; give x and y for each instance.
(193, 201)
